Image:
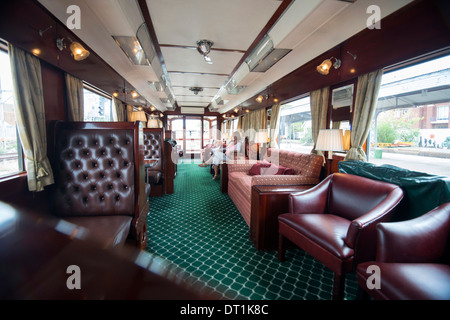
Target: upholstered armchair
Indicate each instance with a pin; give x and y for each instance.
(99, 185)
(335, 222)
(413, 259)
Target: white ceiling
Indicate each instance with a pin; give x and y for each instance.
(308, 27)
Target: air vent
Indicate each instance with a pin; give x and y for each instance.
(132, 49)
(192, 110)
(264, 56)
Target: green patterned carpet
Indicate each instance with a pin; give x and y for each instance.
(199, 230)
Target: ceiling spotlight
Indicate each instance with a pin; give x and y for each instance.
(236, 109)
(196, 90)
(115, 93)
(204, 47)
(325, 66)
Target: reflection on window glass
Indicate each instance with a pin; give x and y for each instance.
(411, 123)
(295, 126)
(96, 107)
(9, 143)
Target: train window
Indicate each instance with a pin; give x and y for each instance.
(411, 127)
(10, 148)
(97, 107)
(296, 126)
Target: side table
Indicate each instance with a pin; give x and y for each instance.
(267, 203)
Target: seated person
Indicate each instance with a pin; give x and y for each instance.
(206, 153)
(217, 158)
(234, 146)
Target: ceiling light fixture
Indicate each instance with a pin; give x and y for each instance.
(204, 47)
(325, 66)
(78, 51)
(196, 90)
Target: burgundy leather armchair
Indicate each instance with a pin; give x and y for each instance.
(335, 222)
(413, 258)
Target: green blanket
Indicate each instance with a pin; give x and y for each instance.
(423, 192)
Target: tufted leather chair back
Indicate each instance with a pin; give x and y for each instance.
(153, 146)
(95, 169)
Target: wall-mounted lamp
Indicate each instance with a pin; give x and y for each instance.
(78, 51)
(325, 66)
(260, 99)
(115, 93)
(134, 94)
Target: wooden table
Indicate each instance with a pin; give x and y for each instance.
(37, 253)
(267, 203)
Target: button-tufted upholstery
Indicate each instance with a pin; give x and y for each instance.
(95, 173)
(153, 150)
(97, 168)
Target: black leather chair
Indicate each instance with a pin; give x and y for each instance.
(413, 259)
(335, 222)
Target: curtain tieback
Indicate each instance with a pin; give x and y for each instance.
(41, 172)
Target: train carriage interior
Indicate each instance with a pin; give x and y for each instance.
(197, 150)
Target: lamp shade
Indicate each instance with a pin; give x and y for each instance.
(138, 116)
(261, 137)
(330, 140)
(324, 67)
(78, 51)
(153, 123)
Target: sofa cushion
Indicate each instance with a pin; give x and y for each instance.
(255, 170)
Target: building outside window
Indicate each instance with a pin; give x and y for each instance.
(411, 126)
(10, 148)
(97, 107)
(295, 126)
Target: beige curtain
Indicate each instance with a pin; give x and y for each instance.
(253, 122)
(30, 117)
(365, 104)
(74, 92)
(129, 113)
(239, 125)
(274, 125)
(319, 108)
(117, 110)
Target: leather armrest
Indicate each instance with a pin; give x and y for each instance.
(313, 200)
(422, 239)
(382, 212)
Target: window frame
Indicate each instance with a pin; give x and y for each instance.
(94, 90)
(20, 154)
